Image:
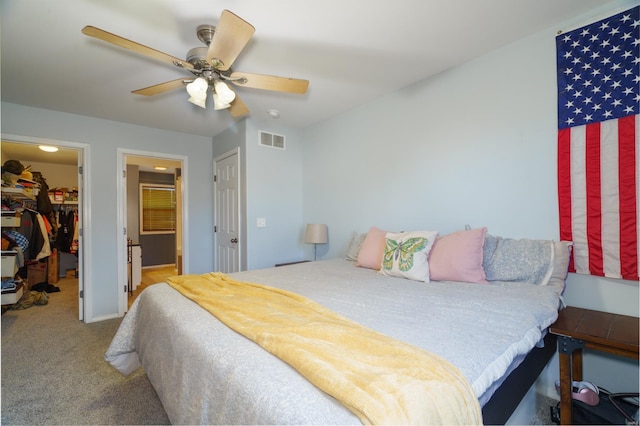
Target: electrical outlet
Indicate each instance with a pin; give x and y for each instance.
(261, 222)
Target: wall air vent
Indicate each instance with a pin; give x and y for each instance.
(271, 140)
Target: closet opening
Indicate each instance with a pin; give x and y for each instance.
(42, 195)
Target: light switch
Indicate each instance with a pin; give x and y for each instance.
(262, 222)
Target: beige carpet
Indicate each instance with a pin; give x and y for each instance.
(54, 373)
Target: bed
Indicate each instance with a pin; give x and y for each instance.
(206, 373)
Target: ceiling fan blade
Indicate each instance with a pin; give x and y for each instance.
(136, 47)
(238, 108)
(269, 82)
(156, 89)
(231, 36)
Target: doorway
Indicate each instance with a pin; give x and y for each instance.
(63, 172)
(144, 249)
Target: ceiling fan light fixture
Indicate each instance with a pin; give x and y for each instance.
(202, 103)
(197, 90)
(223, 96)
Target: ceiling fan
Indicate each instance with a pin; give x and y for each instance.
(210, 65)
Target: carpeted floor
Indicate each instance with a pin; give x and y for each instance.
(54, 372)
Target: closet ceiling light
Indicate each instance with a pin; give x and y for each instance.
(48, 148)
(159, 168)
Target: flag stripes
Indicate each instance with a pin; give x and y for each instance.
(598, 196)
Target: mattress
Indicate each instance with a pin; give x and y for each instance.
(204, 372)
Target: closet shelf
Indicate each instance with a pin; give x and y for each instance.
(18, 193)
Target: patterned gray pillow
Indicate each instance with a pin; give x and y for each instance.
(524, 260)
(354, 246)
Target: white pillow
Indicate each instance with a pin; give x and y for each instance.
(406, 254)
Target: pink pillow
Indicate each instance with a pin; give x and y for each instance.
(458, 257)
(372, 249)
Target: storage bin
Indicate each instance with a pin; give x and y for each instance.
(12, 297)
(10, 219)
(37, 273)
(9, 267)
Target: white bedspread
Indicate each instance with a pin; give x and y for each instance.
(204, 373)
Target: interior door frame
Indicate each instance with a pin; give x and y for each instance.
(85, 287)
(121, 206)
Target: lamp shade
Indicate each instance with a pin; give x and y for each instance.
(198, 92)
(223, 95)
(316, 233)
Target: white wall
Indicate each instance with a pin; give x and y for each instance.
(474, 145)
(104, 138)
(274, 192)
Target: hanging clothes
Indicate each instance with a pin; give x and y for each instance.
(45, 250)
(75, 239)
(63, 237)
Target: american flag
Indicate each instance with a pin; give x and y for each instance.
(598, 144)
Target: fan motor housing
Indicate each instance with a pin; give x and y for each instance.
(198, 57)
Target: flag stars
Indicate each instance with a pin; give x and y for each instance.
(598, 71)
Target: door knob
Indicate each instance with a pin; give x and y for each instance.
(234, 240)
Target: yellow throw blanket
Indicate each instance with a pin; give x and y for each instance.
(380, 379)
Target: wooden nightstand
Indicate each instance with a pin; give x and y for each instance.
(579, 328)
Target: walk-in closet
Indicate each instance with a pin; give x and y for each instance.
(40, 223)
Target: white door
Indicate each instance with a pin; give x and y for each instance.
(227, 212)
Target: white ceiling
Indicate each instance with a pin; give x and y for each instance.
(351, 51)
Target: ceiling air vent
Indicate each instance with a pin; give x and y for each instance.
(271, 140)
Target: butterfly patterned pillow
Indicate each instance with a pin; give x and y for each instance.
(406, 254)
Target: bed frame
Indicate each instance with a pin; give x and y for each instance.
(509, 395)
